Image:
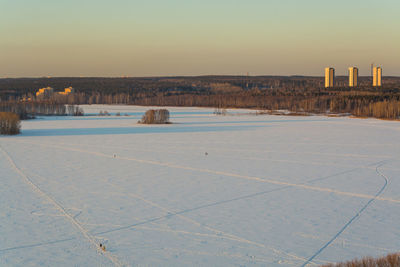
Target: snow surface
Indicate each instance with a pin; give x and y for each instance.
(207, 190)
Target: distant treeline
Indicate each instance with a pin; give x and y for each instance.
(298, 94)
(28, 110)
(378, 106)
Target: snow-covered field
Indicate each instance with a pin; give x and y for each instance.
(236, 190)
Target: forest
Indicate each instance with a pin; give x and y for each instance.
(294, 93)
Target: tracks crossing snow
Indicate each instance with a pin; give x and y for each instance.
(228, 174)
(234, 175)
(216, 231)
(60, 208)
(356, 216)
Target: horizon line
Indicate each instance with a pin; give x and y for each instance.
(184, 76)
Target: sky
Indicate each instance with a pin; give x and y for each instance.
(184, 37)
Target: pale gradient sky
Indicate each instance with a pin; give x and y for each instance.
(184, 37)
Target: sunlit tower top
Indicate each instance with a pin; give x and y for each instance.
(377, 76)
(329, 77)
(353, 77)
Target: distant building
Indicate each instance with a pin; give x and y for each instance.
(353, 76)
(49, 92)
(329, 77)
(377, 76)
(67, 91)
(45, 92)
(26, 99)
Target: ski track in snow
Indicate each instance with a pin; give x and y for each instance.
(37, 244)
(60, 208)
(218, 232)
(344, 241)
(227, 174)
(356, 216)
(246, 150)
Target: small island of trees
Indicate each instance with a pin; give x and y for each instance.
(155, 116)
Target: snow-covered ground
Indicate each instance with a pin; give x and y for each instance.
(236, 190)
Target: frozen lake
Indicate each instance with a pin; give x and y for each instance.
(207, 190)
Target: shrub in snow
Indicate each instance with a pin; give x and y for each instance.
(104, 113)
(155, 116)
(9, 123)
(220, 111)
(389, 261)
(75, 110)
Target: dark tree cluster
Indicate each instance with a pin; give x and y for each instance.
(9, 123)
(75, 110)
(155, 116)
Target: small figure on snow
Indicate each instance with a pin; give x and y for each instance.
(102, 247)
